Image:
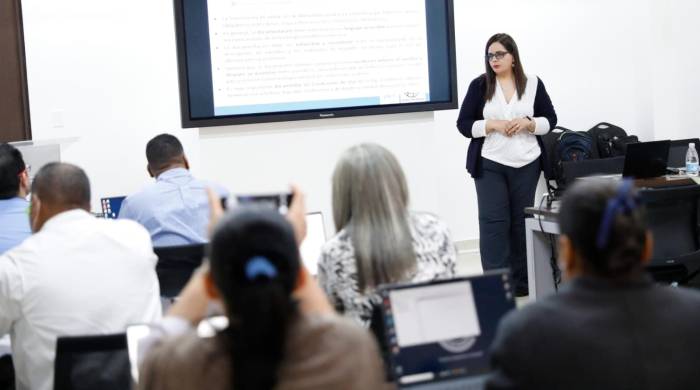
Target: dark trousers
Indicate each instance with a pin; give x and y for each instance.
(503, 193)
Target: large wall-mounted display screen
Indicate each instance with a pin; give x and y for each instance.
(247, 61)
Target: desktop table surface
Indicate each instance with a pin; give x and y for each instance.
(667, 181)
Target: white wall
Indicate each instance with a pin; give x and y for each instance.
(108, 72)
(676, 67)
(268, 157)
(572, 46)
(102, 78)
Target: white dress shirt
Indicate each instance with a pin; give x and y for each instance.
(522, 148)
(79, 275)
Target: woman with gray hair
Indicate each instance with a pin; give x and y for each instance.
(378, 239)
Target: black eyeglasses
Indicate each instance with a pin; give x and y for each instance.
(497, 55)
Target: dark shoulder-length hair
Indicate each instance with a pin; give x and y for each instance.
(520, 79)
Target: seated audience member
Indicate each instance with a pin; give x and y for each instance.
(283, 333)
(378, 239)
(175, 208)
(14, 208)
(610, 326)
(77, 275)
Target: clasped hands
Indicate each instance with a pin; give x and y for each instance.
(512, 127)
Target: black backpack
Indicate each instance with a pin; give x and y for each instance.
(562, 145)
(610, 140)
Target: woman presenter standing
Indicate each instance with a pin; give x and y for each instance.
(504, 114)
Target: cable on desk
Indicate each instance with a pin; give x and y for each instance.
(556, 272)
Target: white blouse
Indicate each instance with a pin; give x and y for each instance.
(522, 148)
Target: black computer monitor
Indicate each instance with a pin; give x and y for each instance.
(672, 213)
(673, 216)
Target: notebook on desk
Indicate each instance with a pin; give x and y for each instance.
(439, 333)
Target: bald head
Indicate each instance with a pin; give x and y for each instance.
(62, 186)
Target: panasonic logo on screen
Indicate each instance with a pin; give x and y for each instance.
(330, 115)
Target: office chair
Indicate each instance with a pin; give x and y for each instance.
(92, 362)
(673, 219)
(7, 373)
(176, 265)
(378, 330)
(676, 153)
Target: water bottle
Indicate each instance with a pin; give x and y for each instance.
(691, 160)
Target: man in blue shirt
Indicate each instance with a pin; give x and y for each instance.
(174, 209)
(14, 186)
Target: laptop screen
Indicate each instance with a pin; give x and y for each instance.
(444, 329)
(139, 333)
(646, 159)
(315, 238)
(677, 151)
(111, 206)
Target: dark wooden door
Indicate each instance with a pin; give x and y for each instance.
(14, 103)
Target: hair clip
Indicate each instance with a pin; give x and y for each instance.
(622, 202)
(260, 266)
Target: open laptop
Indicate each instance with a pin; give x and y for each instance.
(676, 153)
(36, 155)
(646, 159)
(92, 362)
(439, 333)
(111, 206)
(315, 238)
(139, 333)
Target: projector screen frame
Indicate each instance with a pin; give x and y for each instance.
(189, 122)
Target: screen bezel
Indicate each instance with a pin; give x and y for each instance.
(110, 198)
(389, 329)
(189, 122)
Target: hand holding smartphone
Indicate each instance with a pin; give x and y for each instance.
(274, 201)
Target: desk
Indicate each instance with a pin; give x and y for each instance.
(537, 239)
(667, 181)
(543, 224)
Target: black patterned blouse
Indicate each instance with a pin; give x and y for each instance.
(337, 270)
